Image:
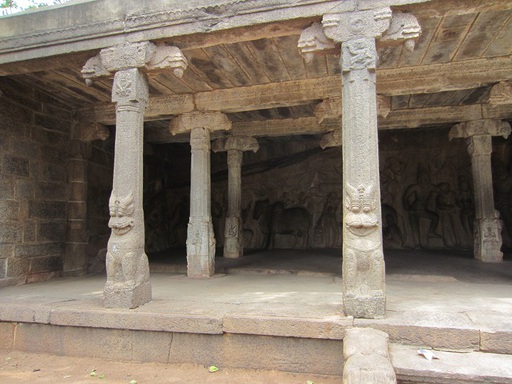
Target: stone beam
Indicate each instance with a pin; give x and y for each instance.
(404, 118)
(401, 81)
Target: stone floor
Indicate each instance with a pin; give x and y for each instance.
(304, 284)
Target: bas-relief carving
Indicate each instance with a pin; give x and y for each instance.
(426, 192)
(314, 185)
(274, 219)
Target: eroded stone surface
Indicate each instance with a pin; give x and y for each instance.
(367, 358)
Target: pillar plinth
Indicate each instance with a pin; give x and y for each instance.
(127, 265)
(487, 233)
(363, 259)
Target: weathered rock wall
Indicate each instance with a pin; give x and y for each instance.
(34, 135)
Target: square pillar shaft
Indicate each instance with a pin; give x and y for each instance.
(200, 235)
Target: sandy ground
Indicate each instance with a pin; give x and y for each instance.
(24, 368)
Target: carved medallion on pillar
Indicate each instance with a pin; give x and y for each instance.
(127, 265)
(363, 261)
(478, 135)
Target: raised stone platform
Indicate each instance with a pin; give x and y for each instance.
(287, 322)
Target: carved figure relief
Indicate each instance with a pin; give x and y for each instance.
(275, 219)
(361, 218)
(121, 214)
(126, 267)
(416, 201)
(359, 54)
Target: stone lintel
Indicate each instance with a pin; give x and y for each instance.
(490, 127)
(212, 121)
(236, 142)
(501, 93)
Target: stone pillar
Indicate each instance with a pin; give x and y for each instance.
(487, 233)
(200, 235)
(363, 259)
(233, 230)
(128, 283)
(75, 261)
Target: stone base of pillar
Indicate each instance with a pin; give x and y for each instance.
(127, 298)
(233, 238)
(488, 240)
(200, 249)
(366, 307)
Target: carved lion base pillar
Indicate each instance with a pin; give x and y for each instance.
(363, 258)
(127, 265)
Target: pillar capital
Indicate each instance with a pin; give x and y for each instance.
(212, 121)
(331, 139)
(236, 143)
(90, 130)
(487, 127)
(501, 93)
(356, 25)
(342, 27)
(144, 55)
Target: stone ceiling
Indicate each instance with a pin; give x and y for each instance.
(257, 76)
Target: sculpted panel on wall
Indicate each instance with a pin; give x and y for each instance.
(291, 194)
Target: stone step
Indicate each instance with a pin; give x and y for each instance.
(460, 332)
(451, 367)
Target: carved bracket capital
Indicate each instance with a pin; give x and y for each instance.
(90, 131)
(341, 27)
(212, 121)
(328, 109)
(403, 27)
(356, 25)
(331, 139)
(144, 55)
(484, 127)
(236, 143)
(501, 93)
(313, 40)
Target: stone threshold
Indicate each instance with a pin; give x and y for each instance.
(459, 332)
